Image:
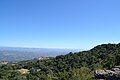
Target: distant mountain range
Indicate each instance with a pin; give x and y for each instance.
(19, 54)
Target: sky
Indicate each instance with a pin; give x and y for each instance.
(78, 24)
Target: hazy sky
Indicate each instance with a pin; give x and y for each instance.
(59, 23)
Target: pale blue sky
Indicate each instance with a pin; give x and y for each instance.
(59, 23)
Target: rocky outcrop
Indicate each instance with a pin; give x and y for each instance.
(112, 74)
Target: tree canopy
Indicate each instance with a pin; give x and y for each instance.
(73, 66)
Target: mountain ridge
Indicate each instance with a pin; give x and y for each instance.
(72, 66)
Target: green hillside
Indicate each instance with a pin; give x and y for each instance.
(73, 66)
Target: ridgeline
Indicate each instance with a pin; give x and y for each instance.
(73, 66)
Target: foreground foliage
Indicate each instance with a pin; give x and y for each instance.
(73, 66)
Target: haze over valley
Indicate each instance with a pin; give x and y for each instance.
(18, 54)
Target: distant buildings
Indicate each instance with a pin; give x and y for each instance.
(41, 58)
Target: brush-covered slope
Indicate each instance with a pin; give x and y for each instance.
(73, 66)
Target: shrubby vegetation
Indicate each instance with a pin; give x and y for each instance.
(73, 66)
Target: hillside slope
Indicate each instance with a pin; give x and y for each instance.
(73, 66)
